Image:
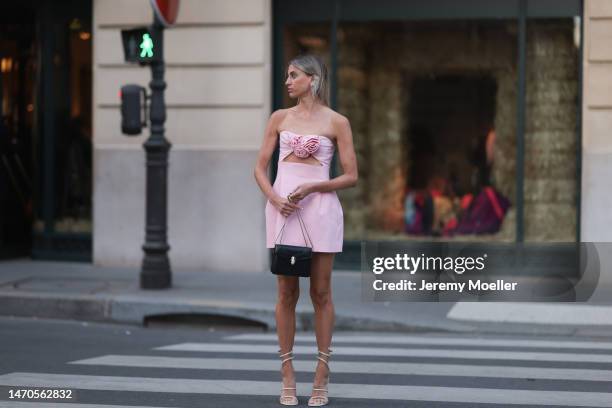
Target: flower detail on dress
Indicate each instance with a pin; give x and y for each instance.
(304, 147)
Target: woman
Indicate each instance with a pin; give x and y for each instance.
(308, 133)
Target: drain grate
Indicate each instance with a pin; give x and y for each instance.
(203, 321)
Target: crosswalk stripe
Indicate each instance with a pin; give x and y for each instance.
(395, 352)
(532, 312)
(23, 404)
(438, 341)
(364, 367)
(360, 391)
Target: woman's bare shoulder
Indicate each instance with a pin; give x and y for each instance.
(338, 119)
(279, 114)
(277, 117)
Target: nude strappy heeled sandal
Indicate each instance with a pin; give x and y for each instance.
(320, 400)
(287, 399)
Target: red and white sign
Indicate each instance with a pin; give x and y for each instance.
(166, 11)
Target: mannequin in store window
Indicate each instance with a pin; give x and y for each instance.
(482, 158)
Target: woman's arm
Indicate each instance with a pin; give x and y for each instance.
(346, 151)
(261, 166)
(265, 154)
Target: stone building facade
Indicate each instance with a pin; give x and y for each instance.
(218, 65)
(596, 149)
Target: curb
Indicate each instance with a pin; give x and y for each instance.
(126, 309)
(133, 310)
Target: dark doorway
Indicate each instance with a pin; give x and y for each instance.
(17, 128)
(45, 131)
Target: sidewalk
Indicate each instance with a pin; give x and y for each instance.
(80, 291)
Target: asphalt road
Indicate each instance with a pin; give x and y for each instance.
(106, 365)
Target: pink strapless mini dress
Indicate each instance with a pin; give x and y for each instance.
(321, 212)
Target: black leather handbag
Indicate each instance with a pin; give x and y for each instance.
(292, 260)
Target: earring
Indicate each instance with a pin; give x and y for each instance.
(314, 85)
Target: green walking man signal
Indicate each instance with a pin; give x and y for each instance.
(146, 46)
(141, 45)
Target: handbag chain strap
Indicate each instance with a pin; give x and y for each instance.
(302, 227)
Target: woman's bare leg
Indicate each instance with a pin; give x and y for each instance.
(320, 294)
(288, 294)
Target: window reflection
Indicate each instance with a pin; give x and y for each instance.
(433, 108)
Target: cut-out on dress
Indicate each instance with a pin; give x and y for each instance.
(321, 212)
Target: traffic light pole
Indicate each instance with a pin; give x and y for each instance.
(155, 272)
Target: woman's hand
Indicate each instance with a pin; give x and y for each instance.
(301, 192)
(283, 205)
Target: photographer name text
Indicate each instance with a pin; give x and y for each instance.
(476, 285)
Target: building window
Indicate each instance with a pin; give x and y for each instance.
(465, 121)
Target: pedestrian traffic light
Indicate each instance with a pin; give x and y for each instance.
(133, 99)
(141, 45)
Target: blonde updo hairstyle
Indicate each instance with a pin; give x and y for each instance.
(314, 67)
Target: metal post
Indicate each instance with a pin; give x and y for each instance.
(155, 272)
